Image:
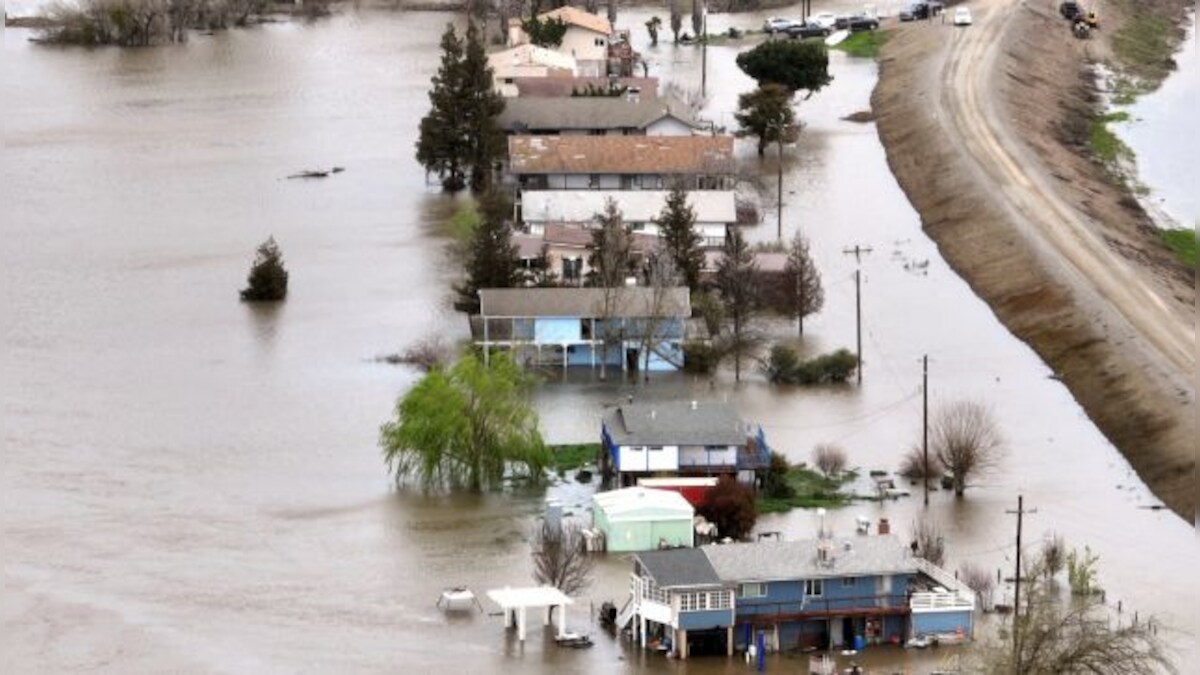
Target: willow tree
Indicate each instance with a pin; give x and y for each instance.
(466, 427)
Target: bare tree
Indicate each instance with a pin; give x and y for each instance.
(829, 458)
(1081, 637)
(979, 580)
(913, 467)
(928, 542)
(737, 279)
(805, 293)
(428, 353)
(1054, 555)
(611, 260)
(697, 17)
(966, 441)
(662, 277)
(559, 559)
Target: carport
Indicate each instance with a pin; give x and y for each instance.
(516, 601)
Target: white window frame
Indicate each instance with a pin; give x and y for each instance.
(760, 588)
(848, 582)
(814, 588)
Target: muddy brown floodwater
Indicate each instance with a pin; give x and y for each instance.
(191, 484)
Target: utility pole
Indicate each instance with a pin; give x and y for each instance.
(858, 251)
(925, 423)
(779, 188)
(703, 50)
(1020, 512)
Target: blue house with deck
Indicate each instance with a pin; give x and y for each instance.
(680, 438)
(828, 593)
(631, 327)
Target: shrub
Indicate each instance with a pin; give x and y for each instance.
(784, 366)
(912, 465)
(775, 482)
(829, 459)
(730, 505)
(268, 278)
(699, 357)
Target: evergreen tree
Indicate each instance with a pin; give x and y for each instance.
(268, 280)
(492, 260)
(677, 223)
(804, 291)
(548, 33)
(697, 17)
(767, 114)
(459, 137)
(483, 107)
(799, 65)
(441, 147)
(611, 261)
(737, 278)
(676, 20)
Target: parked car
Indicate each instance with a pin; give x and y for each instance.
(809, 30)
(908, 13)
(842, 22)
(826, 19)
(962, 17)
(860, 23)
(777, 24)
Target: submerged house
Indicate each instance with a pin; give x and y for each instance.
(715, 210)
(526, 62)
(586, 39)
(828, 593)
(586, 326)
(680, 438)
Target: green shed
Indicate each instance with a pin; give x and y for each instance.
(642, 519)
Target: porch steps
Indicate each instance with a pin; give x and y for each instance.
(625, 616)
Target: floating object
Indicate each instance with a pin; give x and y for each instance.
(574, 640)
(458, 599)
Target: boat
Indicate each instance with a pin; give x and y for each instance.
(458, 599)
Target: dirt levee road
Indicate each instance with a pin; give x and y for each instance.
(973, 119)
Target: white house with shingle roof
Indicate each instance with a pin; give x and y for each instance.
(597, 116)
(621, 162)
(586, 38)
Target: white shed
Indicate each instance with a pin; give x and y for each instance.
(643, 519)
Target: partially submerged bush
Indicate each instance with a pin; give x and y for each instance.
(829, 459)
(268, 280)
(784, 366)
(912, 465)
(775, 483)
(731, 506)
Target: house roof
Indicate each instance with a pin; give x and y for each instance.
(637, 206)
(780, 560)
(536, 596)
(620, 154)
(531, 55)
(573, 16)
(562, 87)
(643, 504)
(577, 113)
(634, 301)
(675, 423)
(574, 236)
(680, 567)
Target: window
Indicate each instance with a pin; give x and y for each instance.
(572, 269)
(599, 42)
(752, 590)
(814, 588)
(655, 448)
(594, 181)
(847, 582)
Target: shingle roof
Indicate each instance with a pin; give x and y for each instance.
(675, 423)
(778, 560)
(547, 87)
(573, 16)
(574, 236)
(637, 206)
(589, 112)
(620, 154)
(527, 55)
(680, 567)
(578, 302)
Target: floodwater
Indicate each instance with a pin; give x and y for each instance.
(1163, 132)
(191, 484)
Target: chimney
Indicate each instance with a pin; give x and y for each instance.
(634, 94)
(884, 526)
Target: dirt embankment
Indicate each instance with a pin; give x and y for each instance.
(985, 129)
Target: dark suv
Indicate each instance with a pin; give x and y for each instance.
(860, 23)
(808, 30)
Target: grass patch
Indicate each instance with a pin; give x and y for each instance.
(1104, 143)
(1146, 43)
(1183, 243)
(465, 221)
(566, 458)
(812, 489)
(864, 44)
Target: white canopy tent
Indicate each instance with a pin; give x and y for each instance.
(515, 601)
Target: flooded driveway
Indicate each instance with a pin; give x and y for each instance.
(191, 484)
